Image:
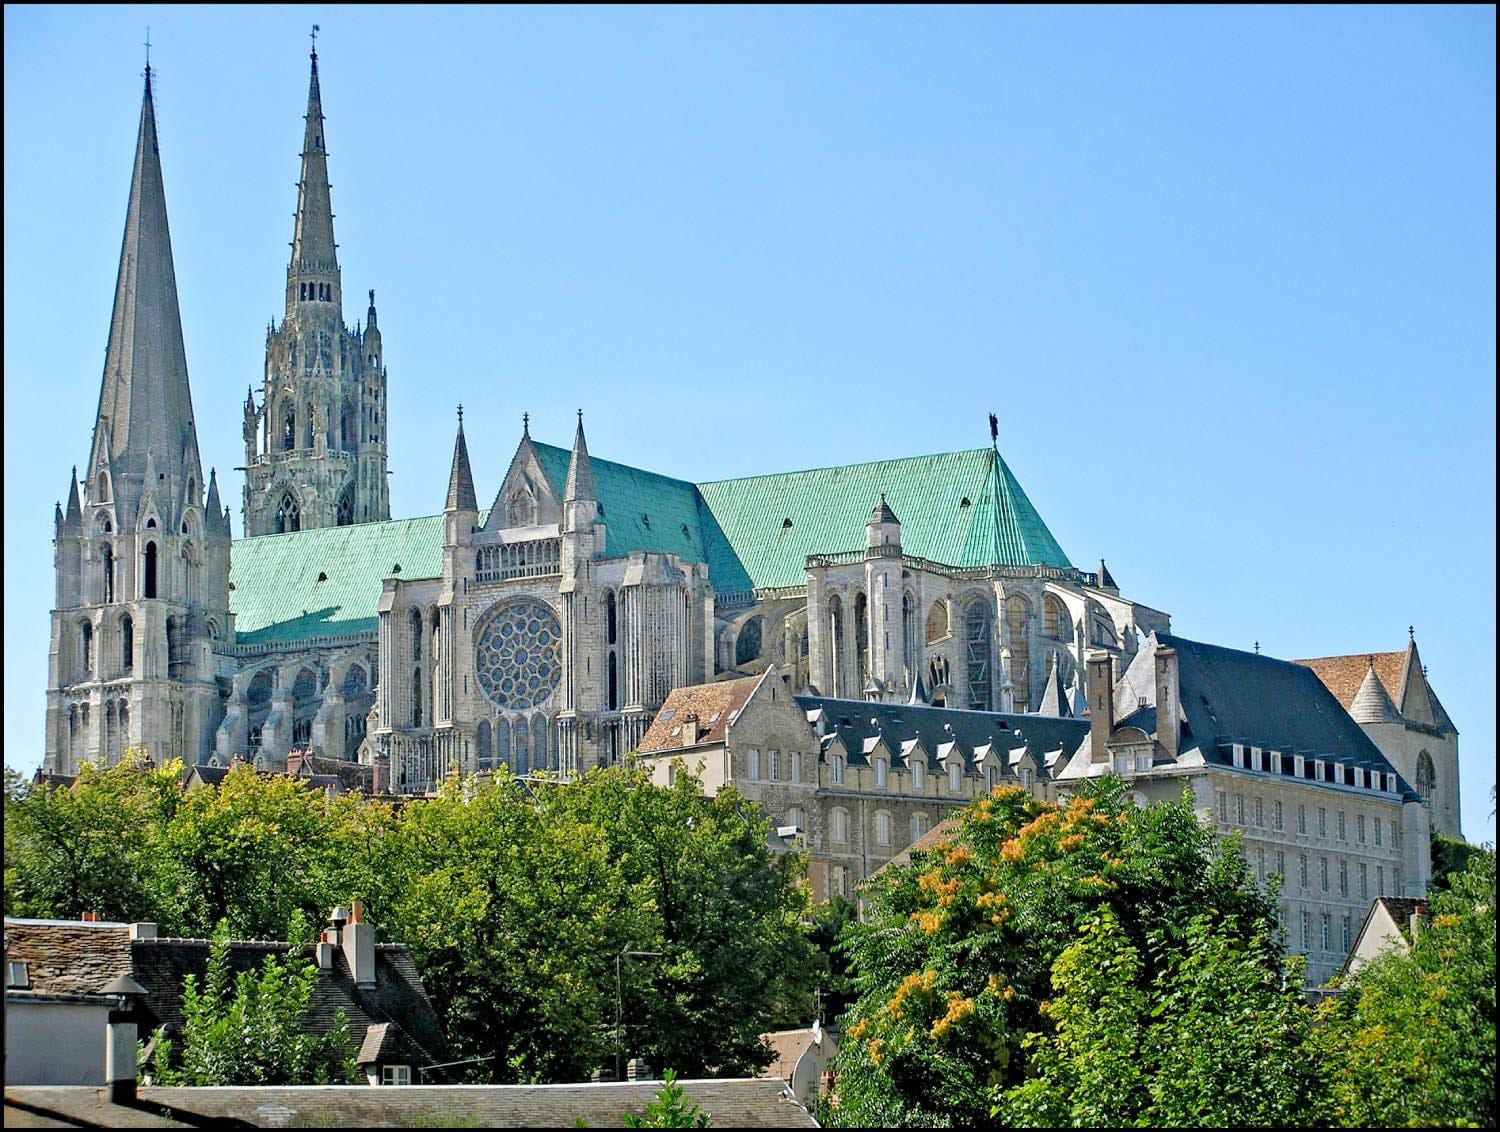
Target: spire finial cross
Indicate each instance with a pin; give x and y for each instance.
(460, 414)
(1411, 633)
(526, 423)
(580, 418)
(148, 49)
(315, 41)
(1257, 648)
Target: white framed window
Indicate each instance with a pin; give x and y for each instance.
(918, 773)
(1348, 932)
(1364, 881)
(882, 828)
(796, 766)
(918, 825)
(1260, 863)
(17, 974)
(1239, 809)
(1343, 878)
(1377, 831)
(1306, 931)
(1379, 880)
(880, 767)
(754, 760)
(991, 777)
(836, 769)
(1322, 822)
(955, 778)
(1280, 863)
(1302, 870)
(1026, 777)
(1223, 807)
(793, 816)
(1327, 936)
(1395, 835)
(1343, 831)
(838, 827)
(773, 758)
(1323, 873)
(1301, 819)
(1277, 819)
(1260, 813)
(395, 1074)
(838, 881)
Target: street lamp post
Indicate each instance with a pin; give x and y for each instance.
(625, 953)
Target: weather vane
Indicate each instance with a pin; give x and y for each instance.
(315, 39)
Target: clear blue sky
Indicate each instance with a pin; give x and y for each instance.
(1226, 276)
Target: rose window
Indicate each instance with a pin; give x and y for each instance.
(516, 655)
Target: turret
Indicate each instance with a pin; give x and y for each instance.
(461, 509)
(882, 531)
(580, 505)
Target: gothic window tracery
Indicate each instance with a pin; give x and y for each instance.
(288, 514)
(836, 640)
(520, 508)
(1426, 776)
(747, 645)
(977, 653)
(1055, 622)
(861, 642)
(516, 655)
(288, 427)
(937, 622)
(345, 511)
(1018, 632)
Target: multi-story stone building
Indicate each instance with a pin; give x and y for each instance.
(1270, 755)
(854, 782)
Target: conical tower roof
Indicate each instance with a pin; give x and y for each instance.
(144, 402)
(1372, 704)
(883, 513)
(1054, 703)
(580, 483)
(214, 509)
(461, 495)
(313, 250)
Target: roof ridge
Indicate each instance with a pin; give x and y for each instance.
(840, 467)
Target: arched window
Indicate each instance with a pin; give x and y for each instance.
(102, 484)
(937, 622)
(1018, 633)
(288, 427)
(610, 627)
(523, 746)
(747, 644)
(344, 514)
(502, 742)
(836, 645)
(1426, 776)
(348, 427)
(415, 618)
(127, 643)
(612, 690)
(108, 554)
(150, 590)
(177, 661)
(416, 694)
(1055, 623)
(838, 825)
(909, 643)
(310, 419)
(520, 509)
(86, 648)
(288, 514)
(977, 654)
(539, 742)
(861, 642)
(918, 825)
(482, 746)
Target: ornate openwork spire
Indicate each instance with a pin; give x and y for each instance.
(314, 255)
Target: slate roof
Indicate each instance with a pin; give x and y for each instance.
(713, 704)
(1230, 696)
(755, 1103)
(858, 723)
(738, 527)
(67, 957)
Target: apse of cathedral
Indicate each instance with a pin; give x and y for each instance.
(542, 632)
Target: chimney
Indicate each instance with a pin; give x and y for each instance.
(119, 1042)
(1416, 922)
(359, 947)
(1167, 699)
(91, 917)
(637, 1070)
(689, 729)
(143, 931)
(293, 763)
(1101, 670)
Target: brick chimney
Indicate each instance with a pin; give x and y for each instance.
(359, 947)
(689, 729)
(1101, 670)
(1167, 700)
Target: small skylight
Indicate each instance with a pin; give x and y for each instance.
(668, 714)
(714, 718)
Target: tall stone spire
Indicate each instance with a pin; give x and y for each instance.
(144, 402)
(461, 495)
(314, 275)
(580, 483)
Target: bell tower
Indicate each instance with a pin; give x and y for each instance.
(315, 443)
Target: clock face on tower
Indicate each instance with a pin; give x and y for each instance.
(517, 654)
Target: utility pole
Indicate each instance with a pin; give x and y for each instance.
(626, 952)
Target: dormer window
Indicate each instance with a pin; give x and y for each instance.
(880, 769)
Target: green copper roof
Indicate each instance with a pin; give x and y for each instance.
(277, 594)
(947, 505)
(959, 508)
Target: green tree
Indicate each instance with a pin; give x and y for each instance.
(251, 1028)
(1412, 1039)
(669, 1109)
(956, 961)
(88, 847)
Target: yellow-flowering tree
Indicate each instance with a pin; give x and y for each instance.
(954, 965)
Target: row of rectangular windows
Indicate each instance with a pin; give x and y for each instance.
(836, 770)
(1318, 770)
(1258, 812)
(1324, 873)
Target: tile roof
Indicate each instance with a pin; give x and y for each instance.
(787, 1048)
(66, 957)
(936, 837)
(754, 1103)
(712, 703)
(859, 723)
(1342, 675)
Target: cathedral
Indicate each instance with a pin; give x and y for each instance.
(544, 631)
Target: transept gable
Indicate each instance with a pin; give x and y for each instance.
(527, 498)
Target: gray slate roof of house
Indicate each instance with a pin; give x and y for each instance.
(78, 958)
(1230, 696)
(755, 1103)
(856, 722)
